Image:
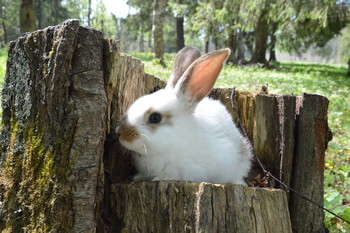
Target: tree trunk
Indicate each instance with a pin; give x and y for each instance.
(273, 50)
(150, 46)
(313, 137)
(3, 23)
(273, 44)
(142, 39)
(216, 35)
(89, 13)
(249, 41)
(56, 13)
(349, 68)
(206, 45)
(38, 11)
(260, 41)
(27, 16)
(158, 20)
(180, 36)
(55, 109)
(240, 48)
(232, 44)
(119, 26)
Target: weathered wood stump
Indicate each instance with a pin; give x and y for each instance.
(63, 170)
(169, 206)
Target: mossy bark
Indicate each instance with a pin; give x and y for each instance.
(54, 121)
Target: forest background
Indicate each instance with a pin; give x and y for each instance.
(252, 29)
(257, 33)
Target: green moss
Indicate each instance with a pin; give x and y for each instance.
(11, 180)
(37, 181)
(53, 50)
(38, 176)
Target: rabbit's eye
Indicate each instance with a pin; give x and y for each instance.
(155, 118)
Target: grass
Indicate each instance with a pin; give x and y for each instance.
(298, 78)
(291, 78)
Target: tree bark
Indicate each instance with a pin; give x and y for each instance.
(142, 38)
(249, 41)
(313, 136)
(27, 16)
(260, 41)
(56, 11)
(180, 36)
(273, 44)
(158, 20)
(275, 135)
(240, 48)
(89, 13)
(206, 45)
(348, 68)
(38, 12)
(215, 38)
(55, 108)
(198, 207)
(290, 135)
(3, 23)
(232, 44)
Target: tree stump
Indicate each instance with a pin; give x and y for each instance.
(311, 144)
(177, 206)
(63, 169)
(53, 134)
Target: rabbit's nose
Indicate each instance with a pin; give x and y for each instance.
(127, 133)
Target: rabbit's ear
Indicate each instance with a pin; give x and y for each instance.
(183, 59)
(200, 77)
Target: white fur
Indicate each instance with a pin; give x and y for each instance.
(203, 145)
(196, 139)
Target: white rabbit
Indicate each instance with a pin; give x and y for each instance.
(180, 134)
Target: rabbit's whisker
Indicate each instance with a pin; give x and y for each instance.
(146, 137)
(144, 146)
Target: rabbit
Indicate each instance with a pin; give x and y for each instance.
(179, 133)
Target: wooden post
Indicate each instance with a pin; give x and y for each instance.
(312, 139)
(274, 137)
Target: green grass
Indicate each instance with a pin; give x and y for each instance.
(298, 78)
(291, 78)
